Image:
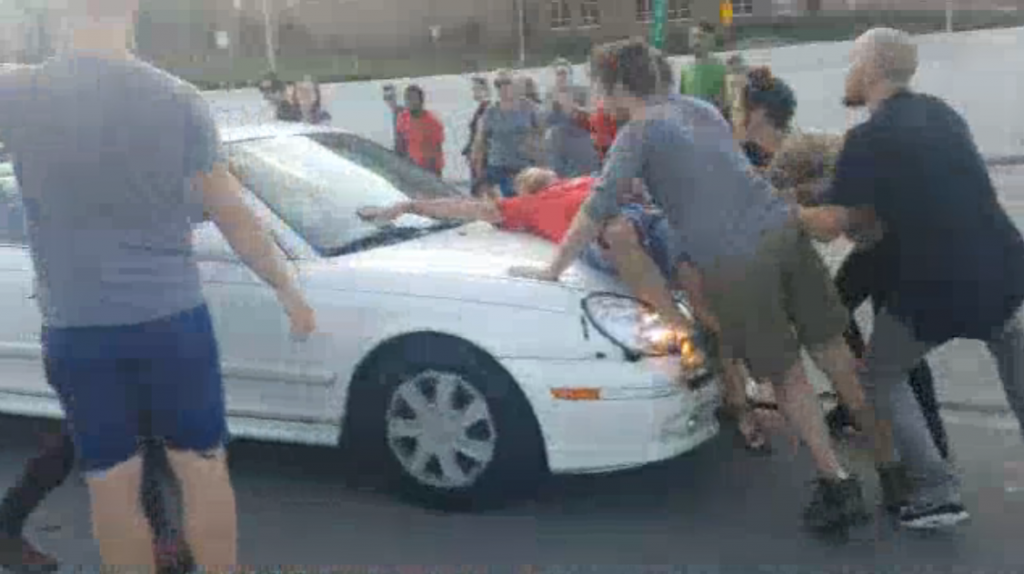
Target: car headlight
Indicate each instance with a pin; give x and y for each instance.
(634, 326)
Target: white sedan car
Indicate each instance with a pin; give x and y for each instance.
(432, 365)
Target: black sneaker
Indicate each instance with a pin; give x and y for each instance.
(840, 422)
(836, 504)
(933, 517)
(896, 486)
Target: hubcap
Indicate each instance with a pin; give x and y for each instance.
(440, 429)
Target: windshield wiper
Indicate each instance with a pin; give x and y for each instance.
(391, 234)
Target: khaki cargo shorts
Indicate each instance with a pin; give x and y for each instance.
(775, 303)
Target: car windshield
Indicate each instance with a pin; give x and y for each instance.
(316, 182)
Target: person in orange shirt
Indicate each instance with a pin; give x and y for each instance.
(604, 127)
(421, 132)
(633, 246)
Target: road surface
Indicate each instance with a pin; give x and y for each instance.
(716, 506)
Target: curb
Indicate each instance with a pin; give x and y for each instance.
(1004, 160)
(975, 408)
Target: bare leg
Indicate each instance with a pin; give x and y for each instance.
(800, 404)
(124, 538)
(836, 360)
(639, 272)
(210, 514)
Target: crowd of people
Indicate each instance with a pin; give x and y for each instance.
(728, 212)
(710, 193)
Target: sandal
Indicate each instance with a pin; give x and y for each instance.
(750, 435)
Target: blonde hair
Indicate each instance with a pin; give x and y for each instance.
(533, 179)
(805, 163)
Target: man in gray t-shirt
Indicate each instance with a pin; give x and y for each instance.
(768, 289)
(116, 161)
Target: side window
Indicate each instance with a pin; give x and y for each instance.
(402, 173)
(13, 227)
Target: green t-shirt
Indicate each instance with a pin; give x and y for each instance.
(704, 80)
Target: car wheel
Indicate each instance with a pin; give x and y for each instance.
(446, 424)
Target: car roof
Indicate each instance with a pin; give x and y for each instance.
(235, 134)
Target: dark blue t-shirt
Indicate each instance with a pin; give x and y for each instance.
(958, 258)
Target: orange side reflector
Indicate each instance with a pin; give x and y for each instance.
(576, 394)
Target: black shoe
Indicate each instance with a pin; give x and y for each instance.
(837, 504)
(934, 517)
(19, 555)
(896, 486)
(840, 422)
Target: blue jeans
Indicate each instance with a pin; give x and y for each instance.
(503, 178)
(653, 231)
(158, 379)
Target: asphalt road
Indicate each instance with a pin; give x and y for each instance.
(716, 506)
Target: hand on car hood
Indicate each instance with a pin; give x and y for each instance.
(472, 262)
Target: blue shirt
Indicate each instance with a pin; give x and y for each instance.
(105, 152)
(508, 133)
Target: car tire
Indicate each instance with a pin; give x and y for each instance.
(400, 428)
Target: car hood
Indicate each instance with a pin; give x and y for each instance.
(469, 263)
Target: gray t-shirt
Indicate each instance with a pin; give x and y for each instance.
(683, 149)
(105, 152)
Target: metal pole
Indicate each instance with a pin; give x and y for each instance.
(949, 15)
(522, 33)
(269, 32)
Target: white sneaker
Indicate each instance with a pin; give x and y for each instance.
(929, 518)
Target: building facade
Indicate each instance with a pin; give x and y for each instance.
(212, 28)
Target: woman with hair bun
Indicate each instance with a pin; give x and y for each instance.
(769, 105)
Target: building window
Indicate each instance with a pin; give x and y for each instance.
(590, 11)
(560, 15)
(678, 9)
(644, 10)
(743, 7)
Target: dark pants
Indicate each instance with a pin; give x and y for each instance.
(856, 282)
(51, 468)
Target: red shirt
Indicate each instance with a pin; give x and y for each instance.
(424, 139)
(604, 129)
(549, 212)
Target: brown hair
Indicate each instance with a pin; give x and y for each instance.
(632, 63)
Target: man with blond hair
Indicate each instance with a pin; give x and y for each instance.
(632, 246)
(958, 258)
(116, 161)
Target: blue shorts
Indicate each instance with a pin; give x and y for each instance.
(655, 237)
(503, 178)
(160, 379)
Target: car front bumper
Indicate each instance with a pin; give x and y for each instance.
(644, 414)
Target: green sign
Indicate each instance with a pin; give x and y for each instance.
(660, 9)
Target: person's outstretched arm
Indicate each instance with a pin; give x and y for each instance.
(223, 201)
(457, 209)
(625, 160)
